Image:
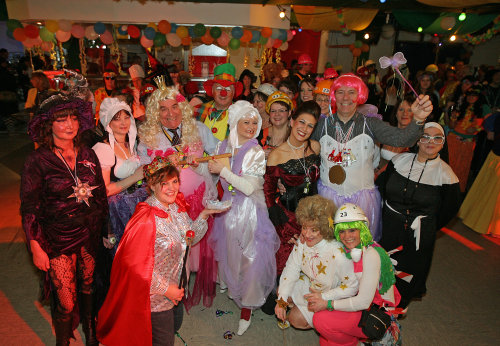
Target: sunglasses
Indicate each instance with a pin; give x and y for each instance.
(435, 140)
(109, 78)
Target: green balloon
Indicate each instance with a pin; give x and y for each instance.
(358, 44)
(199, 30)
(234, 43)
(263, 40)
(13, 24)
(160, 39)
(46, 35)
(215, 32)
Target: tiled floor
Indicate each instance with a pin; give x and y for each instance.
(461, 307)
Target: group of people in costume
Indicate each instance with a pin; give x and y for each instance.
(295, 231)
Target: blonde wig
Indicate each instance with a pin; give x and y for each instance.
(149, 130)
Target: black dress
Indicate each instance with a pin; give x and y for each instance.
(415, 192)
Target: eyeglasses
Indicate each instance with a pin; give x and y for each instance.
(109, 78)
(435, 140)
(274, 111)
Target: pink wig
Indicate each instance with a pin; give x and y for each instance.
(352, 81)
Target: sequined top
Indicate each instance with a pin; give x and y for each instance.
(170, 246)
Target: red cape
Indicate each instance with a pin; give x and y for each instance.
(125, 317)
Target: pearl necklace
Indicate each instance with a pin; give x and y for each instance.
(293, 146)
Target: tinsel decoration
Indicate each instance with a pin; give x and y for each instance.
(83, 58)
(61, 55)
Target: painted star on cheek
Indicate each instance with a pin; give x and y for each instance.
(321, 268)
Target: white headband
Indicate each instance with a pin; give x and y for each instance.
(110, 106)
(435, 125)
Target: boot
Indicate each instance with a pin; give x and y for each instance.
(63, 326)
(88, 322)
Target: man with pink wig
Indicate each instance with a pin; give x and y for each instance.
(348, 144)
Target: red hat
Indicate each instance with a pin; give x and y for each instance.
(304, 59)
(330, 73)
(362, 72)
(224, 75)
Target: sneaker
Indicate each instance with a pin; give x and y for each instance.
(243, 326)
(283, 325)
(223, 287)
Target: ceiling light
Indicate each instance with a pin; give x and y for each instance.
(462, 16)
(420, 29)
(282, 14)
(453, 38)
(367, 36)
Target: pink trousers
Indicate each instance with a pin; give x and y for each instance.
(338, 328)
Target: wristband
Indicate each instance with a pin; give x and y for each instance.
(329, 306)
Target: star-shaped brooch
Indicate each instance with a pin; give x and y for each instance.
(82, 192)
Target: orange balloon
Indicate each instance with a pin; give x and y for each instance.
(186, 41)
(365, 48)
(164, 26)
(207, 38)
(247, 36)
(266, 32)
(19, 34)
(351, 47)
(356, 52)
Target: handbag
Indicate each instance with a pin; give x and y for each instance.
(374, 322)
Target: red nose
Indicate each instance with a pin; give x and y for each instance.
(223, 93)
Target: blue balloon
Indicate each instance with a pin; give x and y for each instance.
(283, 35)
(150, 33)
(276, 33)
(237, 32)
(255, 36)
(10, 34)
(191, 31)
(99, 28)
(174, 27)
(122, 30)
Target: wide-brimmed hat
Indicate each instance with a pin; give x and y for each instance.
(136, 71)
(265, 88)
(224, 75)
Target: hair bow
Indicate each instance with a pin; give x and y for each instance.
(395, 61)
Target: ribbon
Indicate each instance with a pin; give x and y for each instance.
(395, 61)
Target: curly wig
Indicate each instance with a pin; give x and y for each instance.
(317, 210)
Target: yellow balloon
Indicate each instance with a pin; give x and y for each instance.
(153, 25)
(182, 32)
(52, 25)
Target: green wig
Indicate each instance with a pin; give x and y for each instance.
(387, 278)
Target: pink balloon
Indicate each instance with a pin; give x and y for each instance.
(289, 35)
(146, 43)
(27, 43)
(223, 39)
(65, 25)
(47, 46)
(77, 31)
(173, 39)
(62, 36)
(270, 42)
(31, 42)
(284, 46)
(37, 41)
(107, 37)
(90, 33)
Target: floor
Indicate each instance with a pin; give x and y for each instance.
(461, 307)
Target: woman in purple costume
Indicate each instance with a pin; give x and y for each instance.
(244, 239)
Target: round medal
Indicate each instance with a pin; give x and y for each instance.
(337, 175)
(214, 130)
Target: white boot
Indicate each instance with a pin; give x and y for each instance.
(222, 287)
(243, 325)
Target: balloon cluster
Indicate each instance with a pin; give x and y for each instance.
(358, 47)
(488, 35)
(154, 34)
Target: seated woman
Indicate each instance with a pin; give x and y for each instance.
(120, 166)
(336, 320)
(244, 240)
(148, 264)
(421, 194)
(296, 162)
(316, 266)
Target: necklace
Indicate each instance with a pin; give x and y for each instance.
(302, 162)
(81, 191)
(123, 150)
(293, 146)
(407, 201)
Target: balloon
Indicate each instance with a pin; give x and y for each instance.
(47, 46)
(447, 23)
(122, 30)
(52, 25)
(31, 31)
(266, 32)
(255, 36)
(356, 52)
(99, 28)
(133, 31)
(36, 41)
(160, 39)
(145, 42)
(365, 48)
(277, 43)
(152, 25)
(190, 31)
(199, 30)
(275, 33)
(173, 40)
(186, 41)
(182, 32)
(207, 38)
(234, 43)
(270, 42)
(77, 31)
(358, 44)
(247, 36)
(64, 25)
(13, 24)
(173, 27)
(19, 34)
(28, 43)
(215, 32)
(387, 31)
(283, 35)
(63, 36)
(284, 46)
(150, 33)
(107, 37)
(351, 47)
(289, 35)
(90, 33)
(46, 35)
(237, 32)
(10, 34)
(164, 27)
(263, 40)
(346, 32)
(224, 39)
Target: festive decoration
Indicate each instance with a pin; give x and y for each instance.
(63, 36)
(447, 23)
(19, 34)
(199, 30)
(488, 35)
(99, 28)
(52, 26)
(149, 33)
(215, 32)
(207, 38)
(182, 32)
(133, 31)
(90, 33)
(77, 31)
(255, 36)
(46, 35)
(65, 25)
(224, 39)
(173, 40)
(122, 30)
(13, 24)
(395, 61)
(365, 48)
(31, 31)
(356, 52)
(237, 32)
(186, 41)
(266, 32)
(164, 27)
(160, 39)
(234, 43)
(106, 37)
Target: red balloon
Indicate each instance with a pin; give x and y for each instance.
(31, 31)
(19, 34)
(365, 48)
(164, 27)
(277, 44)
(266, 32)
(207, 38)
(356, 52)
(186, 41)
(133, 31)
